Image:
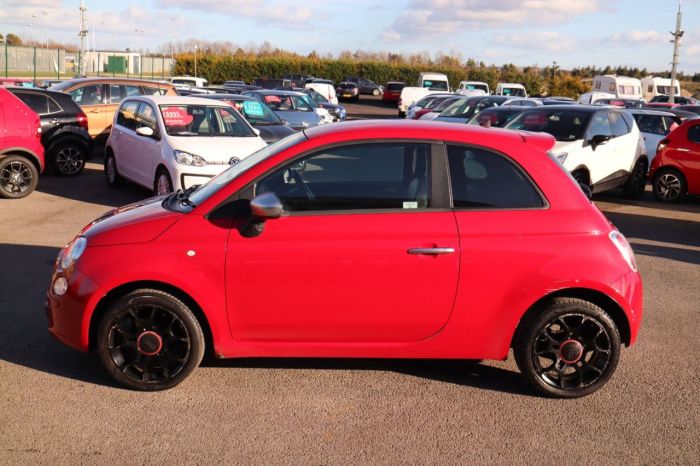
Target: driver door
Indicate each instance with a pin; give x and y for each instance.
(356, 257)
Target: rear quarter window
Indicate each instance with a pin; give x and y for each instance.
(694, 133)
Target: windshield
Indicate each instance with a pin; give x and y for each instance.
(492, 117)
(459, 109)
(564, 125)
(435, 85)
(207, 190)
(513, 91)
(203, 120)
(257, 113)
(316, 96)
(290, 103)
(660, 98)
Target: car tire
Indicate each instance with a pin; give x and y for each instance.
(114, 179)
(149, 340)
(18, 177)
(67, 158)
(669, 185)
(581, 177)
(568, 350)
(402, 114)
(162, 184)
(636, 181)
(375, 92)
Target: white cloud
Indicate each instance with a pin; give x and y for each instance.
(638, 38)
(264, 11)
(437, 17)
(536, 41)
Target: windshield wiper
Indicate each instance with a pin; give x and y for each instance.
(183, 197)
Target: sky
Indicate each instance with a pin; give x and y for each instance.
(524, 32)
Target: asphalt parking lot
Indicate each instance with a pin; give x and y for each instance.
(58, 406)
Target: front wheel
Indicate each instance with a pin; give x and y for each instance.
(18, 177)
(149, 340)
(569, 350)
(375, 92)
(162, 184)
(114, 179)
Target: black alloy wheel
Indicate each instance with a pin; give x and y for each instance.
(568, 351)
(150, 340)
(68, 158)
(18, 177)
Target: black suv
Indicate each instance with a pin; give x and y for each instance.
(64, 129)
(366, 86)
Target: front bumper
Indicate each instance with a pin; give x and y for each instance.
(69, 315)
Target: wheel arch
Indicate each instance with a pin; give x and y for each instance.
(32, 157)
(126, 288)
(583, 169)
(605, 302)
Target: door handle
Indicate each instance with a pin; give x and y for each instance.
(431, 251)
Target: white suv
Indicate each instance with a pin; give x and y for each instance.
(600, 146)
(168, 143)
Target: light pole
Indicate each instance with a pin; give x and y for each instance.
(140, 31)
(195, 60)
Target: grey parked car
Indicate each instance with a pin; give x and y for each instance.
(294, 107)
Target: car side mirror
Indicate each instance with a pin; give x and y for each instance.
(264, 207)
(598, 139)
(145, 131)
(285, 122)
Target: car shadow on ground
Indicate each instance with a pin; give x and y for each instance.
(459, 372)
(26, 341)
(24, 337)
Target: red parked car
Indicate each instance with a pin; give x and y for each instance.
(366, 239)
(675, 171)
(392, 91)
(21, 152)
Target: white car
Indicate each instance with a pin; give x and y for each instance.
(166, 143)
(600, 146)
(326, 90)
(654, 125)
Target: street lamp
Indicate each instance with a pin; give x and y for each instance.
(195, 60)
(140, 31)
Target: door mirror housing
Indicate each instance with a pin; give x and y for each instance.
(264, 207)
(598, 140)
(146, 132)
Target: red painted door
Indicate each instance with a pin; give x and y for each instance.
(688, 157)
(343, 277)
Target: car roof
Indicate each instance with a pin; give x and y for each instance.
(71, 82)
(37, 89)
(646, 111)
(578, 108)
(176, 100)
(278, 92)
(225, 96)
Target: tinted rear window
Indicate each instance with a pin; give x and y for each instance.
(395, 87)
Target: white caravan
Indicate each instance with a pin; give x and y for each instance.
(652, 86)
(592, 97)
(466, 86)
(622, 87)
(511, 90)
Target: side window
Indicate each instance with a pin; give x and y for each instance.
(127, 115)
(146, 117)
(53, 106)
(694, 134)
(37, 102)
(485, 180)
(600, 126)
(355, 177)
(618, 124)
(154, 90)
(87, 95)
(119, 92)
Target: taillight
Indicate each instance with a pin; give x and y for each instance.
(620, 242)
(82, 120)
(37, 123)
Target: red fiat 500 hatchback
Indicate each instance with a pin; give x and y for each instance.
(675, 171)
(363, 239)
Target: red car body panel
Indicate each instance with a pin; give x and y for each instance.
(679, 152)
(391, 95)
(21, 129)
(342, 285)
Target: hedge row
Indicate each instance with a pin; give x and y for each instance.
(219, 68)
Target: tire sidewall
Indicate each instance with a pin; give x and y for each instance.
(174, 305)
(677, 174)
(57, 147)
(160, 172)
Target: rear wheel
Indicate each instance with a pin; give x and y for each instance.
(18, 177)
(114, 179)
(569, 350)
(637, 180)
(149, 340)
(669, 185)
(68, 158)
(375, 92)
(162, 184)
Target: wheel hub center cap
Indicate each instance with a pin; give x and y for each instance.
(571, 351)
(149, 343)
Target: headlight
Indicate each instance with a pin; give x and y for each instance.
(562, 157)
(185, 158)
(73, 253)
